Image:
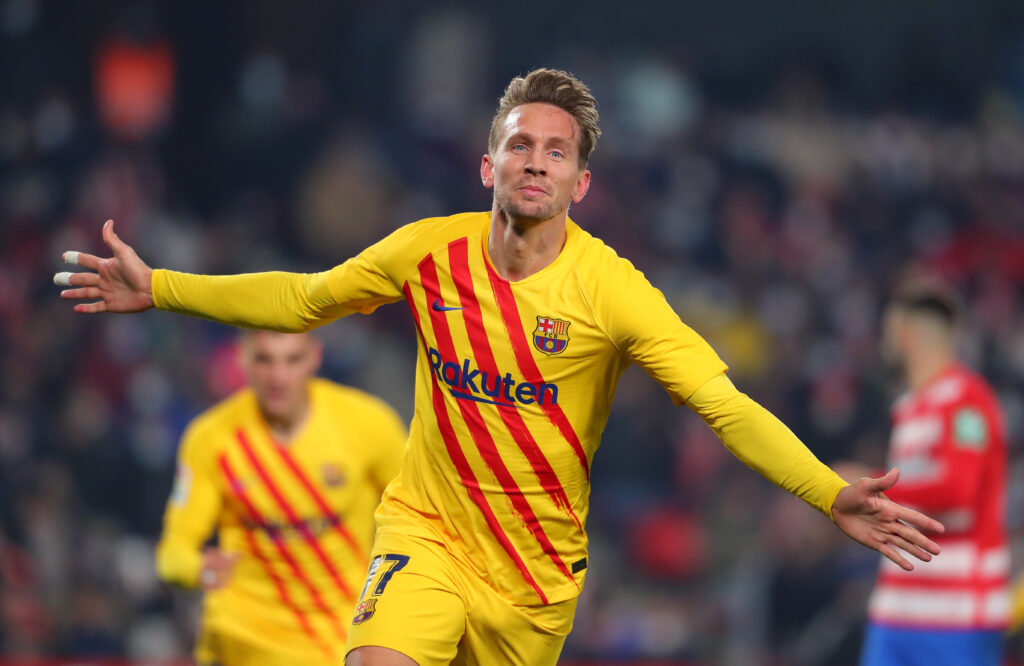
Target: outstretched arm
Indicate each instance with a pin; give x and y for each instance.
(861, 510)
(288, 302)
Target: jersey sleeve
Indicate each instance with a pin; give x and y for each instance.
(765, 444)
(191, 513)
(958, 463)
(292, 302)
(644, 328)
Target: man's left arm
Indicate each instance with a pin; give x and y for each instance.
(766, 445)
(646, 330)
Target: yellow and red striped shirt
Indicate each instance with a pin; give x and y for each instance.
(515, 382)
(514, 385)
(300, 515)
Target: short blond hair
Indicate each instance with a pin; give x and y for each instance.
(558, 88)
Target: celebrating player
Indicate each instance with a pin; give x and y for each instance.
(948, 442)
(290, 471)
(525, 322)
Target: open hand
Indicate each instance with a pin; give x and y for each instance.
(122, 283)
(867, 516)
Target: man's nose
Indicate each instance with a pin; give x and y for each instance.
(536, 167)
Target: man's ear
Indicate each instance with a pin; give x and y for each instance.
(582, 185)
(487, 171)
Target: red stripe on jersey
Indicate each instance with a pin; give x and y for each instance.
(293, 518)
(458, 256)
(478, 429)
(970, 584)
(458, 458)
(282, 591)
(333, 519)
(282, 549)
(517, 336)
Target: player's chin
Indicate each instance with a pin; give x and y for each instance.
(533, 210)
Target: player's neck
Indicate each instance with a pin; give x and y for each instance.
(285, 427)
(925, 366)
(521, 248)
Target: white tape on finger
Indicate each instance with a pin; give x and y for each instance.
(62, 279)
(71, 257)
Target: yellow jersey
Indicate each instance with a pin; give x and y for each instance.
(514, 385)
(298, 515)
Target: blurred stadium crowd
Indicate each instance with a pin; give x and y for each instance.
(775, 220)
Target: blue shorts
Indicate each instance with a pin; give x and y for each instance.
(885, 646)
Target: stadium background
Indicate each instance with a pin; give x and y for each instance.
(773, 167)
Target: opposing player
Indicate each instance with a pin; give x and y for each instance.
(526, 322)
(289, 472)
(948, 442)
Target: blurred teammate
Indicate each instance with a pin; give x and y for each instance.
(289, 472)
(948, 442)
(526, 322)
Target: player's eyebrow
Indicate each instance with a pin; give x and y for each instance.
(520, 135)
(559, 141)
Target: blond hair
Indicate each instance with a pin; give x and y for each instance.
(555, 87)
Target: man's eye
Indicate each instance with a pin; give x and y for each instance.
(518, 148)
(557, 154)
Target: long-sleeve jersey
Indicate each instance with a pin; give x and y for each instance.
(514, 384)
(299, 516)
(949, 445)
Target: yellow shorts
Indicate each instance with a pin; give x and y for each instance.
(216, 648)
(422, 602)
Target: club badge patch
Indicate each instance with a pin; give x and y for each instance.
(334, 475)
(364, 611)
(551, 335)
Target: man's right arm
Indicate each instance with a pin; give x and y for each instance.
(288, 302)
(277, 301)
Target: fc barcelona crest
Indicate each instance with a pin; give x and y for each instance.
(364, 611)
(551, 336)
(334, 475)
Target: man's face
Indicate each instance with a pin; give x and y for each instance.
(535, 169)
(279, 367)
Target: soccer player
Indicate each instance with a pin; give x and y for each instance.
(948, 441)
(525, 322)
(289, 470)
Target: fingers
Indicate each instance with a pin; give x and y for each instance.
(80, 294)
(68, 279)
(111, 239)
(909, 547)
(79, 279)
(912, 535)
(90, 261)
(894, 555)
(918, 519)
(883, 483)
(91, 308)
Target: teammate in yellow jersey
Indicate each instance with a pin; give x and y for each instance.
(289, 472)
(526, 322)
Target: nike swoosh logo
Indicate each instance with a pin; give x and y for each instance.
(442, 308)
